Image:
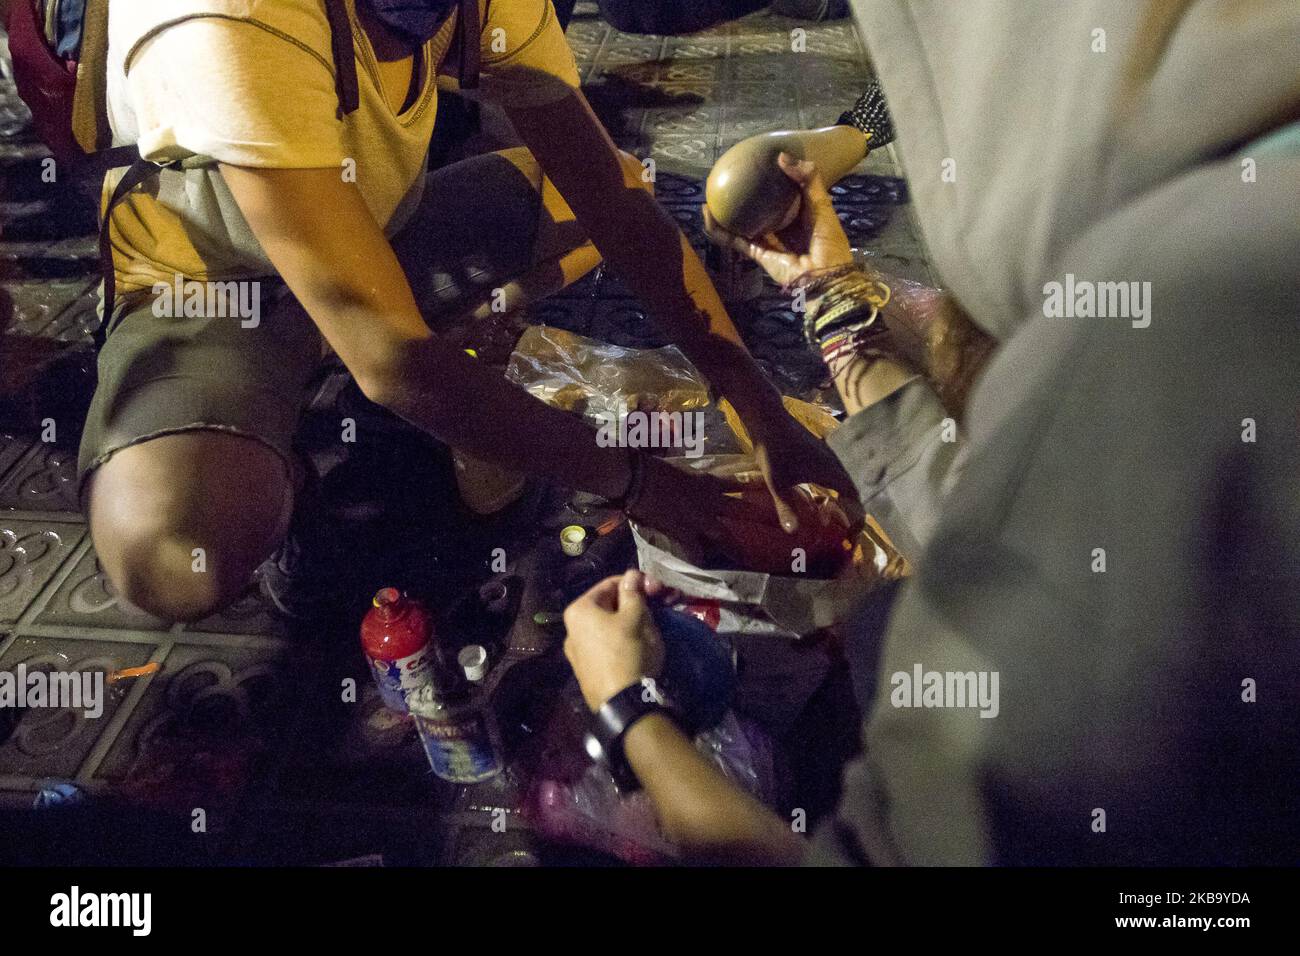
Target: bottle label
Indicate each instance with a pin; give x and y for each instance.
(459, 748)
(397, 678)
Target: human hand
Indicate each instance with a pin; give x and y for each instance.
(612, 641)
(814, 240)
(788, 455)
(688, 506)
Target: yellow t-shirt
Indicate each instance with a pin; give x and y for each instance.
(251, 83)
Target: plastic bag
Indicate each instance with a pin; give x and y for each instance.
(590, 811)
(789, 605)
(743, 751)
(598, 380)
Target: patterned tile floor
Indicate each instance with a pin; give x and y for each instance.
(227, 686)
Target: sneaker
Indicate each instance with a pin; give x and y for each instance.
(307, 577)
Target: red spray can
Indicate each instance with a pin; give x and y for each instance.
(397, 639)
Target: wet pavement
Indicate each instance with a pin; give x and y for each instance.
(245, 718)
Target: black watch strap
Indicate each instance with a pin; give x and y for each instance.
(615, 717)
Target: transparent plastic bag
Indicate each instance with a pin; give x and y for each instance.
(743, 751)
(598, 380)
(590, 811)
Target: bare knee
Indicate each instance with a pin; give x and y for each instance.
(170, 574)
(180, 522)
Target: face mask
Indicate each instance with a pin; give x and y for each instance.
(416, 20)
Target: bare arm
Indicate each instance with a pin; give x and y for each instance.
(643, 245)
(647, 250)
(699, 809)
(932, 333)
(612, 643)
(929, 331)
(350, 283)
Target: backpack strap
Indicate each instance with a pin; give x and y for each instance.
(345, 60)
(139, 170)
(95, 136)
(469, 28)
(468, 24)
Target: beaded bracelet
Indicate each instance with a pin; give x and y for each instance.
(847, 299)
(814, 281)
(855, 340)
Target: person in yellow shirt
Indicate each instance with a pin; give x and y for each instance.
(312, 224)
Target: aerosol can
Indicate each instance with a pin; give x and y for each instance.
(396, 637)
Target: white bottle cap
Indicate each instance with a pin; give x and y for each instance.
(473, 661)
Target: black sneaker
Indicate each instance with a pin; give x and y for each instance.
(307, 577)
(378, 517)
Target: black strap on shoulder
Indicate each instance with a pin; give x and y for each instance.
(470, 40)
(139, 170)
(345, 85)
(345, 65)
(345, 61)
(98, 163)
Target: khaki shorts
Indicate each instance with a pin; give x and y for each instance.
(481, 222)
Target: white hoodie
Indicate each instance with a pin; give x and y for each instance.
(1123, 546)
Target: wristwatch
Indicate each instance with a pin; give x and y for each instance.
(615, 717)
